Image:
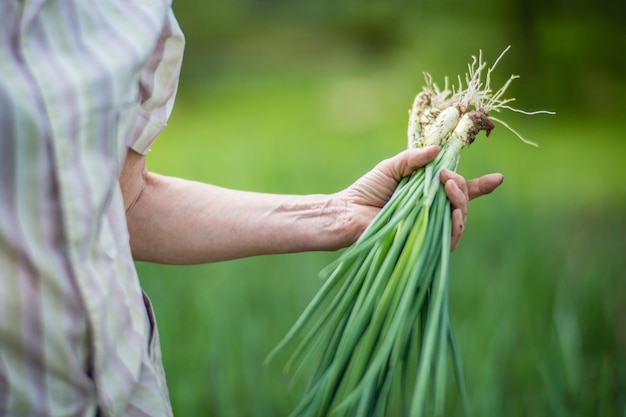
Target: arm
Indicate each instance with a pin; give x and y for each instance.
(177, 221)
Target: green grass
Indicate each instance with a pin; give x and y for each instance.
(538, 296)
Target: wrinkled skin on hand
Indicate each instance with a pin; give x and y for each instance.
(366, 197)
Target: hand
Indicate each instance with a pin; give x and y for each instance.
(366, 197)
(460, 192)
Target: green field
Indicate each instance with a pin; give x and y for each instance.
(538, 283)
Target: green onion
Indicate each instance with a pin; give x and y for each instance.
(384, 304)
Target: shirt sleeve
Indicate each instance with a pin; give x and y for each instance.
(158, 82)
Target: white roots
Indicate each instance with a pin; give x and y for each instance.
(471, 94)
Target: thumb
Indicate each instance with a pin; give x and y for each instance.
(408, 161)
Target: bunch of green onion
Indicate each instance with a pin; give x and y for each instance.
(378, 330)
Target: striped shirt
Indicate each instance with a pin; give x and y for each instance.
(81, 81)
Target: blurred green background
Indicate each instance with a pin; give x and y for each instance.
(305, 96)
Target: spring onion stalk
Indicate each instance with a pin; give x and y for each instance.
(377, 332)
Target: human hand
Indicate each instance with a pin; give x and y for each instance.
(366, 197)
(460, 192)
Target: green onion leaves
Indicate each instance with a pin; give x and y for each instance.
(375, 339)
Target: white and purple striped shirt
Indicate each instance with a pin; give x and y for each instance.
(81, 81)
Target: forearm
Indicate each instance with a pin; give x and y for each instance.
(178, 221)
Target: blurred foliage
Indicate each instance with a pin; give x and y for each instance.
(305, 96)
(570, 52)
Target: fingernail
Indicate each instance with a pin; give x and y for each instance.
(446, 173)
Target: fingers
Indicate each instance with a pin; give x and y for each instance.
(417, 158)
(458, 200)
(456, 189)
(484, 185)
(408, 161)
(458, 227)
(476, 187)
(460, 192)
